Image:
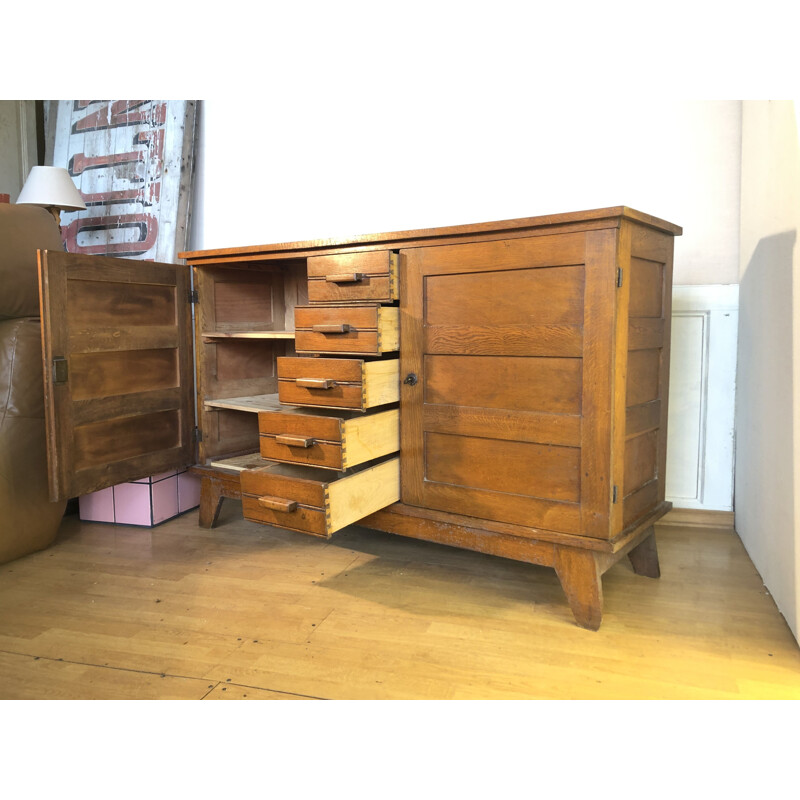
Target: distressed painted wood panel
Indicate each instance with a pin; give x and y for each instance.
(132, 162)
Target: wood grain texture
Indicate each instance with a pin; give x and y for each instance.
(620, 471)
(545, 225)
(215, 485)
(527, 376)
(643, 377)
(553, 296)
(545, 385)
(317, 453)
(338, 626)
(123, 411)
(353, 277)
(526, 426)
(374, 262)
(644, 557)
(639, 457)
(233, 304)
(579, 573)
(597, 400)
(346, 378)
(509, 467)
(317, 502)
(347, 330)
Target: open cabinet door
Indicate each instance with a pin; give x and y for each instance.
(118, 374)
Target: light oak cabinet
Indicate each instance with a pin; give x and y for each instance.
(500, 387)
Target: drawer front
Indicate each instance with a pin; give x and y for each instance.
(301, 438)
(337, 395)
(331, 442)
(348, 330)
(308, 500)
(305, 450)
(301, 518)
(353, 277)
(345, 370)
(345, 383)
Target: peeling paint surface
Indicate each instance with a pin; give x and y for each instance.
(130, 160)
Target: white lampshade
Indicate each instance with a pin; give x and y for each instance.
(51, 187)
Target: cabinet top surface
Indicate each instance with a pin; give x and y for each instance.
(601, 217)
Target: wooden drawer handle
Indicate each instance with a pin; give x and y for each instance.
(350, 277)
(343, 328)
(294, 441)
(315, 383)
(277, 504)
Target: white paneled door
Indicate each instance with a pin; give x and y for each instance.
(700, 447)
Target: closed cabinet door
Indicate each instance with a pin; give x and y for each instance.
(507, 371)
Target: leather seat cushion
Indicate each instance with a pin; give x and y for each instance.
(23, 230)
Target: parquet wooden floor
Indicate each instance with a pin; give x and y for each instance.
(245, 611)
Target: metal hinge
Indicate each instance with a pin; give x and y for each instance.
(193, 296)
(60, 369)
(619, 277)
(614, 493)
(197, 435)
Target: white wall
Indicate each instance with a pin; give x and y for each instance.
(277, 174)
(768, 396)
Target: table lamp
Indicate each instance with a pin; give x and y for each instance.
(53, 189)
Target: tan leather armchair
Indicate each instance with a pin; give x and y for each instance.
(28, 520)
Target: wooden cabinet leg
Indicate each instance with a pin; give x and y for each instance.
(644, 557)
(579, 573)
(210, 502)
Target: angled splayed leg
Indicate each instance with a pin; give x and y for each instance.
(210, 502)
(579, 573)
(644, 557)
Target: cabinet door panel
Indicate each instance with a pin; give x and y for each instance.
(511, 344)
(117, 370)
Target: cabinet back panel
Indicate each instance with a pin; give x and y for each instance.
(244, 303)
(238, 425)
(245, 359)
(226, 431)
(233, 300)
(503, 466)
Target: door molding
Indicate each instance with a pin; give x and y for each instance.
(700, 453)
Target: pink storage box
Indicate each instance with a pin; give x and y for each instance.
(147, 502)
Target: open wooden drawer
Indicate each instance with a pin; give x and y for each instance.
(347, 330)
(353, 277)
(349, 383)
(317, 501)
(332, 439)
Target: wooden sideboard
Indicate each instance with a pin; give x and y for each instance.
(500, 387)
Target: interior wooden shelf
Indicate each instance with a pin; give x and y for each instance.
(239, 463)
(207, 335)
(254, 403)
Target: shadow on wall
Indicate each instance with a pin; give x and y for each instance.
(764, 499)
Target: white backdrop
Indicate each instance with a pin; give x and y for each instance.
(395, 163)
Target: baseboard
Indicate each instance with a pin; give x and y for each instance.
(698, 518)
